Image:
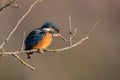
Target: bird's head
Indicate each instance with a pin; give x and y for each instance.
(53, 29)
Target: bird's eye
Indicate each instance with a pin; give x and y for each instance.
(57, 31)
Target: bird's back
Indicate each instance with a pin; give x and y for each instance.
(38, 39)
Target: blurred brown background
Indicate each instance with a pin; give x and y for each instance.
(95, 59)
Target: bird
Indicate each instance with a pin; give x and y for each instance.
(42, 37)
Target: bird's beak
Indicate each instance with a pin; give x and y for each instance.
(59, 35)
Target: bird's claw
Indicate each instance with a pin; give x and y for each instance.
(40, 51)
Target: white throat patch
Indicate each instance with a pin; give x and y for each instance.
(46, 29)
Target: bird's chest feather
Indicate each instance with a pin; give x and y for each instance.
(45, 42)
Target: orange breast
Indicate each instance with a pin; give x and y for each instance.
(45, 42)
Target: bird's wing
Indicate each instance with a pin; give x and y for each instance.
(33, 38)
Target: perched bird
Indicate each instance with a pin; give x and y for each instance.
(41, 37)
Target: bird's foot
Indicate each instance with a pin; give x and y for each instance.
(40, 51)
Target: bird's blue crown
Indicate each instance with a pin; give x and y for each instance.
(50, 25)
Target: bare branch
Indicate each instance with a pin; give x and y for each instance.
(3, 5)
(70, 24)
(74, 33)
(14, 29)
(11, 33)
(57, 50)
(22, 45)
(69, 47)
(15, 55)
(93, 28)
(70, 30)
(23, 62)
(71, 36)
(48, 50)
(71, 33)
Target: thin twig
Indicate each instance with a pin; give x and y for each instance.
(3, 6)
(23, 62)
(49, 50)
(68, 47)
(74, 33)
(70, 30)
(70, 24)
(14, 29)
(15, 55)
(45, 50)
(71, 33)
(22, 45)
(93, 27)
(58, 50)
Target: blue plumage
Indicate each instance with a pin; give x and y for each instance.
(40, 34)
(50, 24)
(37, 35)
(33, 38)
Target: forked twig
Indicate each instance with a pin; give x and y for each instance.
(71, 33)
(70, 30)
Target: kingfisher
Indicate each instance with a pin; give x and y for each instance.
(42, 37)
